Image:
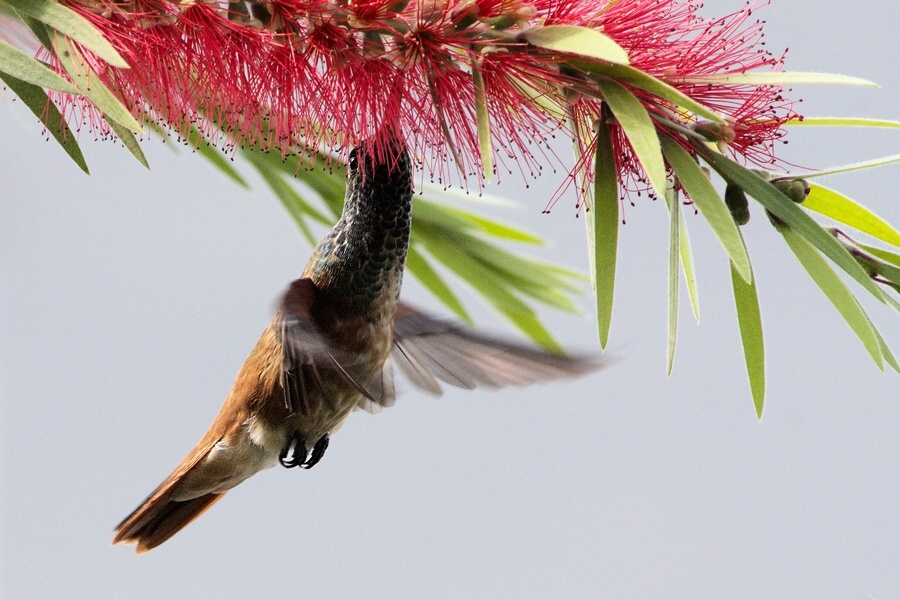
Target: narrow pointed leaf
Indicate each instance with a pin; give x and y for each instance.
(782, 207)
(573, 39)
(502, 299)
(483, 122)
(92, 87)
(37, 102)
(842, 209)
(292, 202)
(496, 228)
(545, 98)
(889, 357)
(216, 157)
(860, 166)
(746, 301)
(639, 130)
(841, 122)
(129, 141)
(674, 237)
(709, 203)
(16, 63)
(889, 257)
(421, 269)
(782, 78)
(71, 24)
(835, 290)
(687, 264)
(605, 228)
(648, 83)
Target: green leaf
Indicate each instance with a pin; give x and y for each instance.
(16, 63)
(841, 122)
(418, 265)
(790, 213)
(835, 290)
(710, 204)
(782, 78)
(293, 202)
(483, 123)
(844, 210)
(92, 87)
(648, 83)
(573, 39)
(129, 141)
(860, 166)
(480, 278)
(544, 98)
(37, 102)
(72, 25)
(673, 203)
(746, 301)
(604, 238)
(687, 264)
(202, 147)
(884, 255)
(639, 130)
(889, 357)
(496, 228)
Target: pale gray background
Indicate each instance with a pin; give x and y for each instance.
(130, 298)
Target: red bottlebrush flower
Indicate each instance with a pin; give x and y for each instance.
(289, 75)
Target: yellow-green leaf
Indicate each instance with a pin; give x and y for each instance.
(648, 83)
(129, 141)
(841, 122)
(573, 39)
(672, 202)
(25, 68)
(687, 264)
(710, 204)
(483, 124)
(604, 229)
(842, 209)
(639, 130)
(776, 78)
(421, 269)
(835, 290)
(860, 166)
(71, 24)
(92, 87)
(746, 301)
(782, 207)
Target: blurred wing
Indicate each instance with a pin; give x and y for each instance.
(428, 350)
(307, 351)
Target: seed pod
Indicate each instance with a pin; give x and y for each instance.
(736, 200)
(795, 189)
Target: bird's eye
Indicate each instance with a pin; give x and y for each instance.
(353, 161)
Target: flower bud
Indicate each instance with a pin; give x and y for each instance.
(715, 132)
(736, 200)
(775, 221)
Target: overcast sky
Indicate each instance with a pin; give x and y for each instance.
(129, 299)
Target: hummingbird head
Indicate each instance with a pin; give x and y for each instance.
(378, 174)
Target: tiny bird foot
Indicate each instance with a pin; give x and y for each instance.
(294, 452)
(318, 452)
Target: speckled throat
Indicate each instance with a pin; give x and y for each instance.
(358, 266)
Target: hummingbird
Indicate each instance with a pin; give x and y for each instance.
(331, 348)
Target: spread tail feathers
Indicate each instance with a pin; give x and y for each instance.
(155, 522)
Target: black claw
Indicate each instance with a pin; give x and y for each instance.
(318, 452)
(294, 452)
